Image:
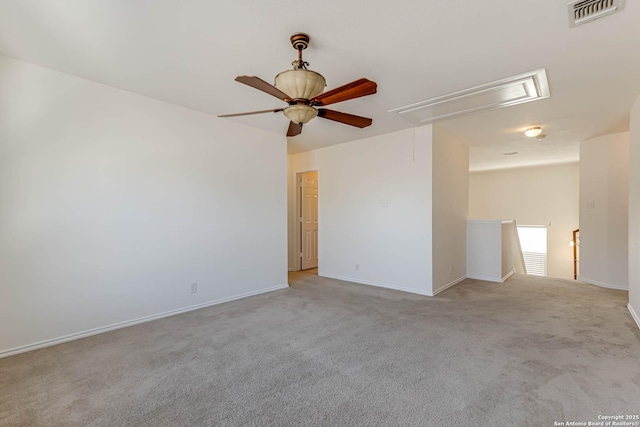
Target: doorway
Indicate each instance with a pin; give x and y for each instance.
(308, 219)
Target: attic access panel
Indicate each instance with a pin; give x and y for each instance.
(514, 90)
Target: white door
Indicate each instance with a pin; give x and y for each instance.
(309, 220)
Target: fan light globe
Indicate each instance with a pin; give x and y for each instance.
(300, 83)
(300, 114)
(533, 132)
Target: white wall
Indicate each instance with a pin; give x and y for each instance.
(493, 252)
(391, 245)
(111, 204)
(379, 200)
(634, 213)
(291, 216)
(450, 209)
(533, 196)
(604, 205)
(484, 250)
(512, 259)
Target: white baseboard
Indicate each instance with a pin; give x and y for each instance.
(448, 285)
(378, 284)
(492, 279)
(486, 278)
(509, 274)
(602, 285)
(120, 325)
(634, 314)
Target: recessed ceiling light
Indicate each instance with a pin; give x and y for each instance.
(533, 131)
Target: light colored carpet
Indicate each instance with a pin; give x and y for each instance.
(530, 351)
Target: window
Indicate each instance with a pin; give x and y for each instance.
(533, 240)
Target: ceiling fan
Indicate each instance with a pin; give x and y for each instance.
(302, 89)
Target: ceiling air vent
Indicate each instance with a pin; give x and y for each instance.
(582, 11)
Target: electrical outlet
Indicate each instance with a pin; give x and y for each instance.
(357, 267)
(194, 288)
(451, 269)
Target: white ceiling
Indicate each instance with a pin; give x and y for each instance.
(189, 52)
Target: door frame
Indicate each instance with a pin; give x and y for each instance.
(298, 213)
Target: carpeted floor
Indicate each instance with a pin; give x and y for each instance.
(527, 352)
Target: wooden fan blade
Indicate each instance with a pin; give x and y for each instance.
(362, 87)
(258, 83)
(348, 119)
(277, 110)
(294, 129)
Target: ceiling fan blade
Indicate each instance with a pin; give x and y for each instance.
(362, 87)
(258, 83)
(348, 119)
(277, 110)
(294, 129)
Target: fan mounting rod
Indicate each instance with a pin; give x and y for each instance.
(300, 41)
